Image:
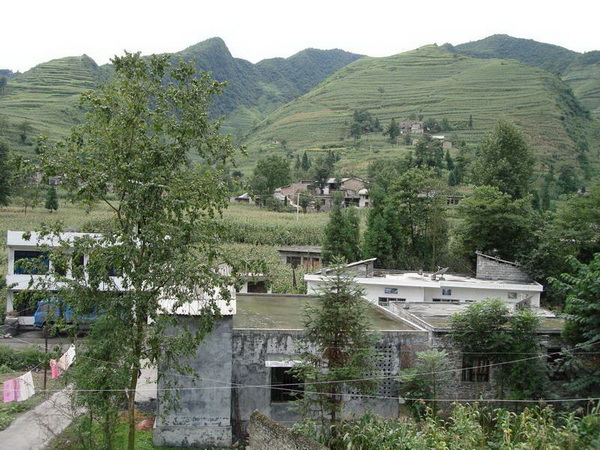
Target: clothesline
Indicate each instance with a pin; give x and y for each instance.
(21, 388)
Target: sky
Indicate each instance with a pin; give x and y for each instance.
(37, 31)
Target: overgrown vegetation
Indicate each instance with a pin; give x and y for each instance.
(468, 427)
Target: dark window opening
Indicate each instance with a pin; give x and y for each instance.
(257, 287)
(29, 262)
(290, 389)
(476, 369)
(294, 261)
(385, 301)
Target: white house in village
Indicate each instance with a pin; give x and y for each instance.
(495, 278)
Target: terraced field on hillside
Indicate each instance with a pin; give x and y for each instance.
(47, 98)
(435, 83)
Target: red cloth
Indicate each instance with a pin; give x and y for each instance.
(54, 369)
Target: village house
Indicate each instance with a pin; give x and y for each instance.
(306, 256)
(352, 189)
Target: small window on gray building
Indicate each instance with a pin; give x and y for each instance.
(390, 290)
(446, 291)
(285, 387)
(475, 369)
(512, 295)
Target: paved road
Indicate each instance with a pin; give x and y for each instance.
(34, 429)
(33, 337)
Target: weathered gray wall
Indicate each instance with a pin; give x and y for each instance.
(266, 434)
(203, 416)
(490, 269)
(251, 348)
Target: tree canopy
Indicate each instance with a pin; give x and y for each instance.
(132, 153)
(506, 161)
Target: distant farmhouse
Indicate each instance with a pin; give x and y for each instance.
(353, 190)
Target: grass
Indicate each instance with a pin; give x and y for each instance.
(432, 82)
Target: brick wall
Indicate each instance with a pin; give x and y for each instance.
(494, 269)
(266, 434)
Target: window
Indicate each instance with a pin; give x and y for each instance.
(476, 369)
(390, 290)
(294, 261)
(512, 295)
(29, 262)
(385, 301)
(290, 385)
(446, 291)
(446, 300)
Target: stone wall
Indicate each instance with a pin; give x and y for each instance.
(252, 348)
(266, 434)
(489, 268)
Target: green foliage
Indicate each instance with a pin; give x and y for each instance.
(339, 348)
(51, 199)
(494, 223)
(21, 360)
(506, 161)
(393, 131)
(342, 233)
(270, 173)
(5, 175)
(407, 228)
(582, 312)
(134, 147)
(431, 370)
(429, 154)
(363, 122)
(468, 427)
(488, 329)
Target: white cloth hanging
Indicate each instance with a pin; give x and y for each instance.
(26, 388)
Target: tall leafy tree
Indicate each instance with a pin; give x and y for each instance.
(342, 233)
(488, 329)
(494, 223)
(340, 348)
(582, 311)
(506, 161)
(132, 153)
(416, 209)
(51, 199)
(5, 175)
(393, 131)
(270, 173)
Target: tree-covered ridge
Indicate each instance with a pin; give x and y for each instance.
(549, 57)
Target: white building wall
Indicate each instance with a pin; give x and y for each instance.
(426, 294)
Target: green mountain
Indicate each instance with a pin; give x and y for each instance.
(549, 57)
(580, 71)
(583, 76)
(434, 83)
(45, 98)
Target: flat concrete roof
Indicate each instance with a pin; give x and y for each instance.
(438, 315)
(286, 312)
(300, 249)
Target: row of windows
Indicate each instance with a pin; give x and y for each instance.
(445, 292)
(32, 262)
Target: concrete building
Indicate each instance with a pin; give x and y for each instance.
(495, 279)
(239, 365)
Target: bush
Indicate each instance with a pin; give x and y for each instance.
(20, 360)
